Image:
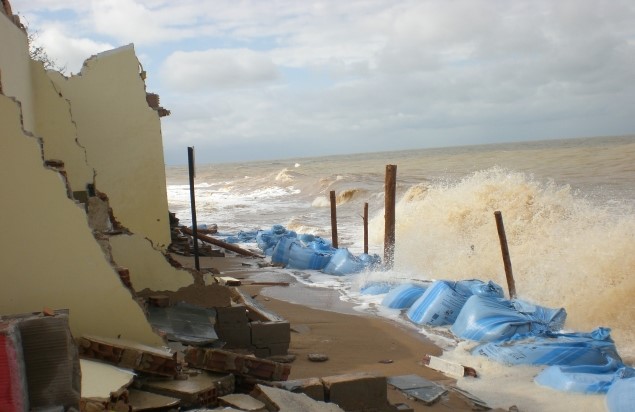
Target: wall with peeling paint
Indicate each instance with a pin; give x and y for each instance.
(122, 136)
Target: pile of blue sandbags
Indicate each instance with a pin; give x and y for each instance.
(519, 332)
(306, 251)
(441, 303)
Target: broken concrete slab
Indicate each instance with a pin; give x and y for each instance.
(130, 355)
(198, 390)
(210, 296)
(449, 368)
(100, 379)
(418, 388)
(184, 322)
(242, 402)
(147, 401)
(357, 392)
(312, 387)
(284, 401)
(224, 361)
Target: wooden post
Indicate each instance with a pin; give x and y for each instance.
(366, 228)
(333, 219)
(190, 161)
(511, 286)
(389, 215)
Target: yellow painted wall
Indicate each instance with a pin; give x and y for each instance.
(15, 67)
(48, 254)
(53, 122)
(122, 136)
(148, 268)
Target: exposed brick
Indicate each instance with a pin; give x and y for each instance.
(228, 362)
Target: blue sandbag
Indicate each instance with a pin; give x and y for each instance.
(441, 303)
(343, 263)
(282, 250)
(621, 395)
(487, 319)
(369, 261)
(583, 379)
(550, 348)
(301, 257)
(268, 239)
(320, 244)
(375, 288)
(403, 296)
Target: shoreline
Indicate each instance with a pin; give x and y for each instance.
(354, 341)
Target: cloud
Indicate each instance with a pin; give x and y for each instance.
(217, 69)
(67, 51)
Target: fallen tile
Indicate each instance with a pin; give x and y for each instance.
(418, 388)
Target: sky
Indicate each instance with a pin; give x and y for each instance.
(271, 79)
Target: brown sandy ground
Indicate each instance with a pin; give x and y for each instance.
(353, 342)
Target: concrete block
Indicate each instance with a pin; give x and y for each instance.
(357, 392)
(235, 335)
(312, 387)
(231, 315)
(265, 333)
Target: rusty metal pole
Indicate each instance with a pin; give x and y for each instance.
(190, 161)
(333, 220)
(389, 215)
(366, 228)
(511, 286)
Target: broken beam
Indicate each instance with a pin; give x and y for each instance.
(220, 243)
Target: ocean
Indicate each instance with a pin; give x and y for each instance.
(567, 206)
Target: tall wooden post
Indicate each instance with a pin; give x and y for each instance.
(366, 228)
(511, 285)
(389, 215)
(190, 161)
(333, 220)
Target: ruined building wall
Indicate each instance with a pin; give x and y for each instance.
(122, 136)
(48, 254)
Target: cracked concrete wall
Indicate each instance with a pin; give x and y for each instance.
(48, 254)
(53, 121)
(49, 257)
(122, 136)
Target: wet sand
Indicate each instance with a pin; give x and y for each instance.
(353, 341)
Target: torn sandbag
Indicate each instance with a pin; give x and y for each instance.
(550, 348)
(375, 288)
(268, 239)
(487, 319)
(403, 296)
(305, 257)
(583, 378)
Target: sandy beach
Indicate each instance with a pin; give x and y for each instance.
(353, 341)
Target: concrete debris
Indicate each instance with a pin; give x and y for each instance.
(449, 368)
(199, 390)
(104, 387)
(217, 360)
(147, 401)
(242, 402)
(129, 355)
(312, 387)
(284, 401)
(255, 311)
(317, 357)
(416, 387)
